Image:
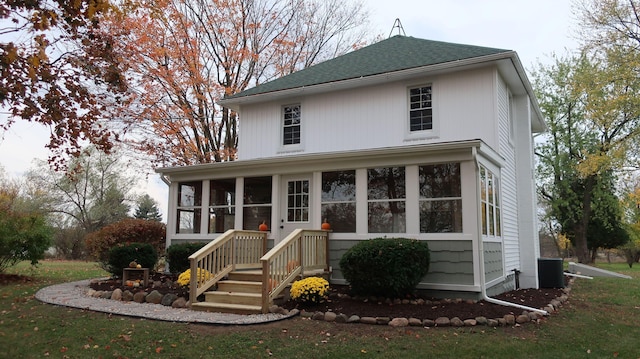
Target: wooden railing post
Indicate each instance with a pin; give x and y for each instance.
(193, 280)
(265, 286)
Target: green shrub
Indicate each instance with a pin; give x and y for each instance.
(120, 257)
(385, 266)
(178, 255)
(126, 231)
(22, 237)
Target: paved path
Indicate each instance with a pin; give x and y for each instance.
(74, 295)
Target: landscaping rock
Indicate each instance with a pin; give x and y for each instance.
(274, 309)
(127, 296)
(442, 322)
(415, 322)
(492, 323)
(139, 297)
(341, 318)
(106, 294)
(154, 297)
(470, 322)
(330, 317)
(502, 322)
(399, 322)
(318, 316)
(510, 319)
(368, 320)
(116, 294)
(179, 303)
(383, 320)
(353, 319)
(457, 322)
(481, 320)
(168, 299)
(305, 314)
(523, 318)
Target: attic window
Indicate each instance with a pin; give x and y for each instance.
(291, 125)
(420, 109)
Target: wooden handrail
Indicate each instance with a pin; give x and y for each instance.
(300, 251)
(233, 249)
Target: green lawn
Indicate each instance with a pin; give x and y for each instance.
(599, 321)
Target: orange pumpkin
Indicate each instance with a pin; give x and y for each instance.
(325, 225)
(291, 265)
(263, 226)
(129, 283)
(272, 284)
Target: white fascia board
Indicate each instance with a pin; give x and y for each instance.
(319, 161)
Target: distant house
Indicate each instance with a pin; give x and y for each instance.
(403, 138)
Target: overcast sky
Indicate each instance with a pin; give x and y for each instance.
(534, 29)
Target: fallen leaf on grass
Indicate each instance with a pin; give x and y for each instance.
(158, 350)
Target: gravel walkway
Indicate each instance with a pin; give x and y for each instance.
(74, 295)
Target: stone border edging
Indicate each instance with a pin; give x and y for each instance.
(74, 295)
(507, 320)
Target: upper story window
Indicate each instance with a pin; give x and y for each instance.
(189, 212)
(420, 108)
(291, 125)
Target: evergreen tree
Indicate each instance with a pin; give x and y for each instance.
(148, 209)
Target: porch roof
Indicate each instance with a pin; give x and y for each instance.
(330, 161)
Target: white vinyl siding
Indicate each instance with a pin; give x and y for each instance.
(375, 117)
(508, 180)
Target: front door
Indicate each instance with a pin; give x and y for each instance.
(296, 204)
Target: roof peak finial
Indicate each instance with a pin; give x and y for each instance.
(397, 25)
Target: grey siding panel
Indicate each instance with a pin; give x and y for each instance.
(451, 261)
(507, 285)
(492, 260)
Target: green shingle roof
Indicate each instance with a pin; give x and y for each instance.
(393, 54)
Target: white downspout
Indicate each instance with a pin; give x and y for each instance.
(483, 286)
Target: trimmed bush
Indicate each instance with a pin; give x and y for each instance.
(178, 255)
(390, 267)
(120, 257)
(125, 232)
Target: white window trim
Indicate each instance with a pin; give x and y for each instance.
(296, 147)
(434, 132)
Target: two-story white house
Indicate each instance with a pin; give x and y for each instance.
(403, 138)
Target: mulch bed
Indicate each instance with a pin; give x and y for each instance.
(340, 302)
(433, 308)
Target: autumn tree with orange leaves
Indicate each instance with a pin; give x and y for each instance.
(184, 55)
(58, 68)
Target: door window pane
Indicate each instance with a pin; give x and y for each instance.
(298, 201)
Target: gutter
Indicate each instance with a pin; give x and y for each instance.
(483, 283)
(165, 179)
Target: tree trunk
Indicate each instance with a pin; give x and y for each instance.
(581, 245)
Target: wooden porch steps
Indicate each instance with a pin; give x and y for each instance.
(241, 293)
